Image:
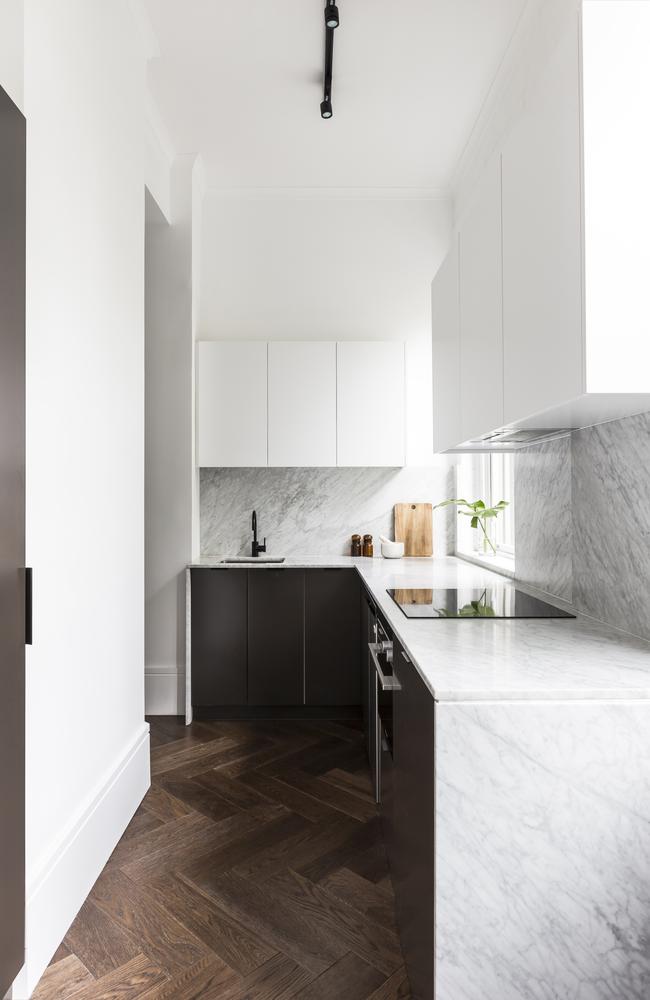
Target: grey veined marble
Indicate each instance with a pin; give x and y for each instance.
(582, 521)
(611, 522)
(544, 532)
(543, 851)
(315, 511)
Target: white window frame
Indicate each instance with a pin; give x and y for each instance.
(488, 477)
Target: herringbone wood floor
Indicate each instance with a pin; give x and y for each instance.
(254, 870)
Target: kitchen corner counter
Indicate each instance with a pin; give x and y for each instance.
(494, 660)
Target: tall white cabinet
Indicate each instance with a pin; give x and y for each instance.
(302, 403)
(232, 403)
(542, 256)
(370, 407)
(616, 88)
(445, 321)
(481, 330)
(552, 253)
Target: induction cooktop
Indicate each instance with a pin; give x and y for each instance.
(495, 601)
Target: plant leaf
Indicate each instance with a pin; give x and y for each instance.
(474, 522)
(446, 503)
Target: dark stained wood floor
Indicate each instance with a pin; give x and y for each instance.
(253, 870)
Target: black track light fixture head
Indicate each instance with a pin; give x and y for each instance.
(331, 22)
(331, 15)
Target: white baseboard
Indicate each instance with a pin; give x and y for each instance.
(164, 692)
(58, 892)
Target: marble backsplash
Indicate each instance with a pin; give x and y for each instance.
(583, 520)
(315, 511)
(544, 518)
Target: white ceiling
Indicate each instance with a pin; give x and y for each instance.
(240, 81)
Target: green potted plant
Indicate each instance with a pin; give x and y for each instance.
(479, 512)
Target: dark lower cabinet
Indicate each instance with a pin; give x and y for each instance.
(263, 638)
(332, 637)
(219, 641)
(275, 637)
(410, 822)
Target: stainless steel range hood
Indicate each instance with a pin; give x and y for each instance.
(511, 439)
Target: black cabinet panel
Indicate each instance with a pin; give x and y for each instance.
(275, 637)
(411, 822)
(332, 637)
(219, 615)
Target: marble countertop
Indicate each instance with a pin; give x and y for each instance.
(502, 659)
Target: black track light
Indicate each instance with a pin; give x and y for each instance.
(331, 15)
(331, 22)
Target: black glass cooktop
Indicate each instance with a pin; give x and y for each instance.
(473, 602)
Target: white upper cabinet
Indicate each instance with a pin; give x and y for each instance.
(302, 403)
(445, 320)
(561, 307)
(542, 260)
(616, 88)
(481, 321)
(232, 403)
(370, 404)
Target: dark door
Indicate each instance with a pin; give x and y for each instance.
(332, 637)
(411, 844)
(275, 637)
(12, 541)
(219, 639)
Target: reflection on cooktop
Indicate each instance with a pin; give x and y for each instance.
(495, 601)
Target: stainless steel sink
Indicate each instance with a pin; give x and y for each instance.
(254, 560)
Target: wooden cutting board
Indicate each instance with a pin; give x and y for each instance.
(414, 527)
(418, 596)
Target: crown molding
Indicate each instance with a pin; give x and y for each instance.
(326, 193)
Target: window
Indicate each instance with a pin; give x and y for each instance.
(488, 477)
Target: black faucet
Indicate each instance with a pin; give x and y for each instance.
(257, 548)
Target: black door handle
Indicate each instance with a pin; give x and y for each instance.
(28, 606)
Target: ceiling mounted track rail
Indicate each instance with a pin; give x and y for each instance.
(331, 23)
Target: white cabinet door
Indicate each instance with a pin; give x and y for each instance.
(370, 403)
(481, 319)
(542, 269)
(616, 85)
(302, 403)
(231, 406)
(445, 318)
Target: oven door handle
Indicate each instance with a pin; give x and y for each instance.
(388, 681)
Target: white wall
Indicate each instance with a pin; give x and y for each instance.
(87, 743)
(11, 49)
(168, 448)
(159, 155)
(329, 265)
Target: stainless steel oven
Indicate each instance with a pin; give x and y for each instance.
(382, 687)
